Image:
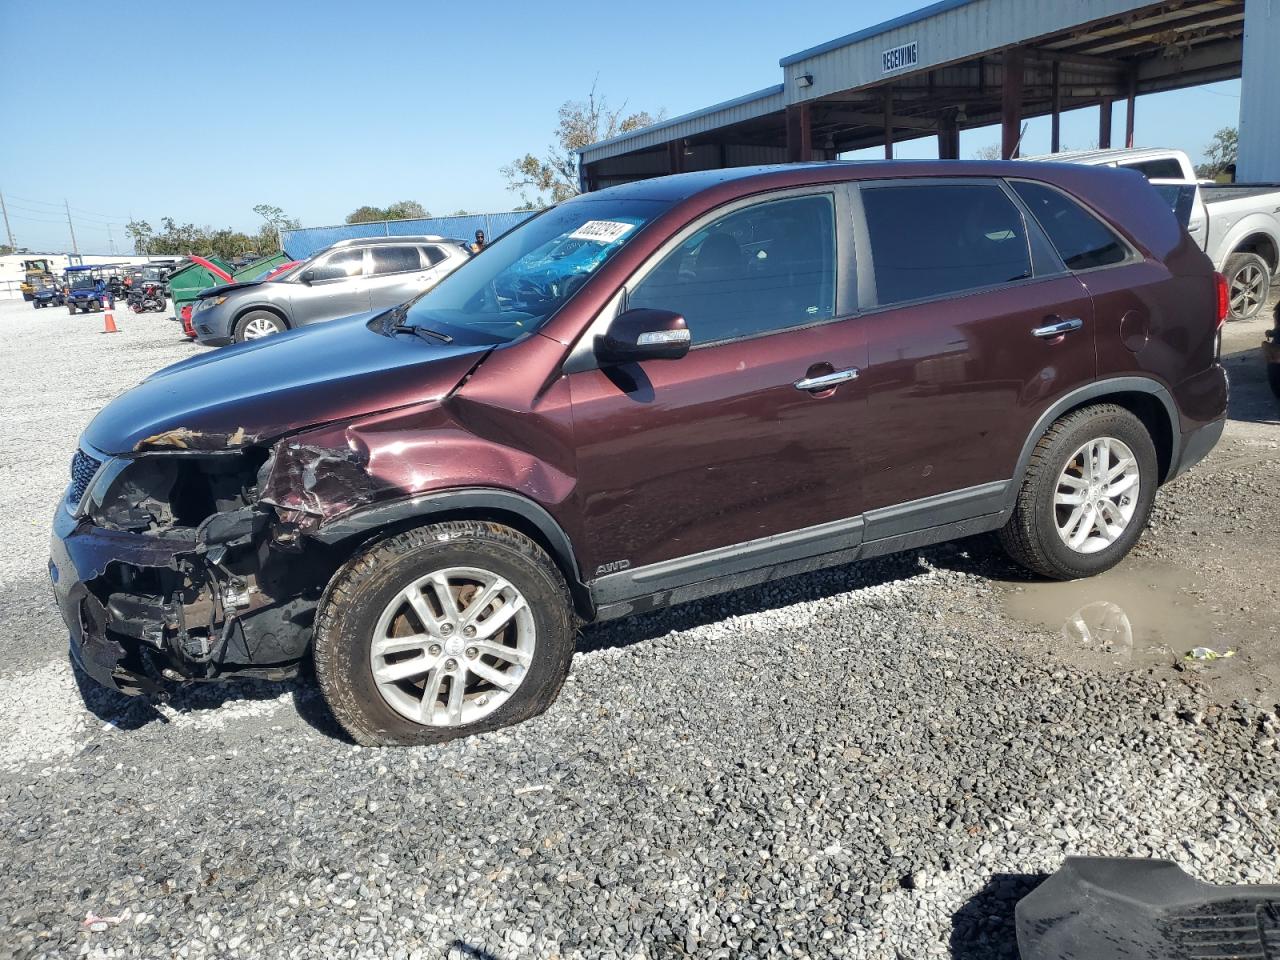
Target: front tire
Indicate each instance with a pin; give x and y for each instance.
(258, 324)
(1086, 495)
(1248, 285)
(442, 632)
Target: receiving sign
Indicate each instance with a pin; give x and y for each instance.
(899, 58)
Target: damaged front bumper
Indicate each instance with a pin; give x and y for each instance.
(80, 555)
(188, 602)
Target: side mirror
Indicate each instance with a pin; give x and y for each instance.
(643, 334)
(307, 276)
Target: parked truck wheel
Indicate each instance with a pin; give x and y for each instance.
(1248, 285)
(1086, 494)
(441, 632)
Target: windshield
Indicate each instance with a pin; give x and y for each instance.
(80, 281)
(525, 276)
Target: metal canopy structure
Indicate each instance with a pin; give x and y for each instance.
(952, 66)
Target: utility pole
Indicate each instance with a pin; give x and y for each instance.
(111, 240)
(5, 210)
(71, 227)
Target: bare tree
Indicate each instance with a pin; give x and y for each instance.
(554, 177)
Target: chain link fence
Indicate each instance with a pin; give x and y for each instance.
(302, 243)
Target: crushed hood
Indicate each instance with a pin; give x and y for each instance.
(260, 390)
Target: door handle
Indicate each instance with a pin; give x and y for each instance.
(827, 380)
(1051, 330)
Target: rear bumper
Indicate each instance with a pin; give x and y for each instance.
(1197, 445)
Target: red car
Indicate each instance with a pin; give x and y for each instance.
(758, 372)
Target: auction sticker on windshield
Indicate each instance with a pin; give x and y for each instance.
(602, 231)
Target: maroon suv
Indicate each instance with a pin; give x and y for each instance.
(642, 396)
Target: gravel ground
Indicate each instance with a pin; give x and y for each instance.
(875, 761)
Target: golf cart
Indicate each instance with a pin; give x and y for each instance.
(87, 289)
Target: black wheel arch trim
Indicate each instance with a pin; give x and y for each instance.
(1097, 391)
(242, 312)
(477, 500)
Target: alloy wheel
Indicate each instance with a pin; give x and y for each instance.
(1096, 494)
(259, 327)
(1247, 290)
(452, 647)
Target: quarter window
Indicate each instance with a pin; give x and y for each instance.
(929, 240)
(434, 255)
(1167, 169)
(395, 259)
(339, 266)
(1081, 239)
(763, 268)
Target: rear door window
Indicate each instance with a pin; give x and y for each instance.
(395, 259)
(757, 270)
(434, 255)
(1082, 240)
(934, 239)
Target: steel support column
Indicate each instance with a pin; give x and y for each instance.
(948, 135)
(1131, 102)
(1011, 104)
(799, 133)
(888, 123)
(1055, 122)
(1104, 124)
(675, 156)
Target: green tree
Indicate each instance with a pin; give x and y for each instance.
(1219, 155)
(141, 233)
(407, 210)
(400, 210)
(554, 176)
(277, 221)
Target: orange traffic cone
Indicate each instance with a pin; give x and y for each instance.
(109, 321)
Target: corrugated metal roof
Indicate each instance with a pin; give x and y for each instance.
(905, 20)
(721, 114)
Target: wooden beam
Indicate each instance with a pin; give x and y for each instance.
(1011, 103)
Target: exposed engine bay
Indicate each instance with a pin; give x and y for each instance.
(192, 570)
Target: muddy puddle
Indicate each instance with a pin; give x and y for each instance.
(1134, 616)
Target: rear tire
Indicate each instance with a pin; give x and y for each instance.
(359, 608)
(1037, 535)
(258, 324)
(1273, 377)
(1248, 285)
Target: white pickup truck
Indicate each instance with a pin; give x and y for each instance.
(1237, 225)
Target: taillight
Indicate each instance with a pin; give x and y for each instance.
(1224, 301)
(187, 327)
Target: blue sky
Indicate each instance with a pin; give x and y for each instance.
(321, 107)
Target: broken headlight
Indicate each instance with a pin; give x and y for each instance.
(163, 492)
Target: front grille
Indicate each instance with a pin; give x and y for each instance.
(83, 469)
